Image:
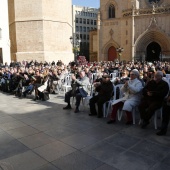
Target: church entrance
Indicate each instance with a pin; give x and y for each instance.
(153, 52)
(112, 55)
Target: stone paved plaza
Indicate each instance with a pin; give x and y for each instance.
(41, 136)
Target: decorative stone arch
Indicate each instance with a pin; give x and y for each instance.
(111, 2)
(106, 48)
(148, 37)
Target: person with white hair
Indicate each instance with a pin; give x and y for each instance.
(79, 90)
(132, 90)
(154, 94)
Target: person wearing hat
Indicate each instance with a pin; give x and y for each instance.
(105, 90)
(154, 94)
(132, 95)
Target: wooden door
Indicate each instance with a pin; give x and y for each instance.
(112, 55)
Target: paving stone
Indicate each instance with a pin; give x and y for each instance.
(160, 166)
(137, 131)
(22, 132)
(54, 150)
(80, 127)
(5, 138)
(48, 167)
(103, 151)
(11, 148)
(37, 140)
(106, 167)
(123, 140)
(151, 150)
(77, 161)
(130, 161)
(74, 138)
(99, 132)
(60, 132)
(12, 125)
(79, 141)
(25, 161)
(6, 119)
(162, 140)
(166, 160)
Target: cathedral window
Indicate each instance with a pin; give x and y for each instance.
(111, 11)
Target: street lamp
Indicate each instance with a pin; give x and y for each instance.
(75, 40)
(119, 50)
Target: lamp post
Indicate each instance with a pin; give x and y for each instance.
(119, 50)
(133, 29)
(75, 40)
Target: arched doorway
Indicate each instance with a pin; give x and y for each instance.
(153, 52)
(112, 55)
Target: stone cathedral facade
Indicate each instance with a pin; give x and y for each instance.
(41, 30)
(140, 27)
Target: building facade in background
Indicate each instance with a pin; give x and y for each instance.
(4, 33)
(40, 30)
(84, 20)
(140, 27)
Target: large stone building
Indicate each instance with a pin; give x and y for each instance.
(40, 29)
(84, 20)
(4, 33)
(140, 27)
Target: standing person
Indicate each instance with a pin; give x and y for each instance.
(166, 117)
(78, 85)
(153, 96)
(105, 90)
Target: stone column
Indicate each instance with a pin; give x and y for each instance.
(40, 30)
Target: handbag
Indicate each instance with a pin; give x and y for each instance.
(83, 92)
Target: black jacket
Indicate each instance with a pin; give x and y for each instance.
(159, 90)
(105, 89)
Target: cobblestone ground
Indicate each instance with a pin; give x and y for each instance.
(42, 136)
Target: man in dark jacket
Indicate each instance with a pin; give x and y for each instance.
(153, 96)
(105, 90)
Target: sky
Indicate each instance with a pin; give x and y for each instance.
(88, 3)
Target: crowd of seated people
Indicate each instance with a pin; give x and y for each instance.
(141, 82)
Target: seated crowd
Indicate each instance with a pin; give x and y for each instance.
(143, 85)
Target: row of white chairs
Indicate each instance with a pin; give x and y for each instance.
(107, 107)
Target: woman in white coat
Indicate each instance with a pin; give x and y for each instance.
(132, 95)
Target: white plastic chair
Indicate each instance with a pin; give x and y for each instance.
(85, 100)
(113, 75)
(106, 108)
(120, 114)
(156, 116)
(67, 83)
(92, 78)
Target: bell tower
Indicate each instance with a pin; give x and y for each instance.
(40, 30)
